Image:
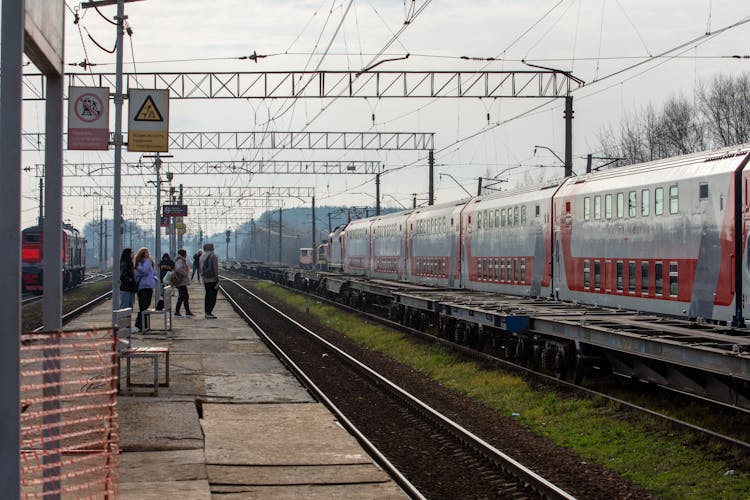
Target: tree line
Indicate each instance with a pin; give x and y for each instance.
(718, 116)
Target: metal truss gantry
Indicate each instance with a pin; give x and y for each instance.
(365, 141)
(330, 84)
(221, 167)
(214, 193)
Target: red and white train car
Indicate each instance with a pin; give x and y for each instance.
(664, 237)
(433, 245)
(356, 245)
(388, 239)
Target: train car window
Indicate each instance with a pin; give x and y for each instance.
(515, 216)
(586, 208)
(523, 215)
(620, 281)
(673, 279)
(645, 202)
(479, 220)
(631, 276)
(597, 275)
(659, 278)
(645, 283)
(632, 203)
(32, 238)
(586, 274)
(597, 207)
(497, 217)
(674, 199)
(502, 217)
(620, 205)
(703, 191)
(659, 201)
(523, 270)
(536, 211)
(608, 206)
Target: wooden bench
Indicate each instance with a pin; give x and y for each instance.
(166, 312)
(121, 321)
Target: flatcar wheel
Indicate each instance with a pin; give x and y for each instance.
(536, 358)
(560, 366)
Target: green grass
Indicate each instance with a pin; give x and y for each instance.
(659, 459)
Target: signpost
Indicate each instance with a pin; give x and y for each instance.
(148, 120)
(88, 118)
(174, 210)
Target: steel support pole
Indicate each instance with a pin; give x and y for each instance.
(315, 253)
(11, 94)
(479, 187)
(431, 197)
(182, 221)
(101, 237)
(117, 213)
(157, 234)
(52, 283)
(377, 194)
(568, 136)
(281, 244)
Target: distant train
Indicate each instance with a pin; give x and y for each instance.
(73, 257)
(667, 237)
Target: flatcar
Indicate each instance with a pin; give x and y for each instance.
(667, 237)
(73, 257)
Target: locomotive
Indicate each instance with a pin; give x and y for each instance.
(666, 237)
(73, 257)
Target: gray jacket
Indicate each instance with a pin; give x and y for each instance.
(209, 267)
(181, 269)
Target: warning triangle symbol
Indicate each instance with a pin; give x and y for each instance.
(148, 112)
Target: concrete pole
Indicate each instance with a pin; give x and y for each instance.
(11, 94)
(568, 136)
(281, 211)
(52, 285)
(377, 194)
(315, 253)
(431, 160)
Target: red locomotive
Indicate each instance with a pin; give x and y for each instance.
(73, 257)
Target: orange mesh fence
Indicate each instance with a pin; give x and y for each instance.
(69, 432)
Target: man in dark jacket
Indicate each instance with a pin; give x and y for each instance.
(209, 264)
(197, 265)
(165, 266)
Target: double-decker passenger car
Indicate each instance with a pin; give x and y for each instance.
(665, 237)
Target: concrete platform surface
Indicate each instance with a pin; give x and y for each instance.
(234, 423)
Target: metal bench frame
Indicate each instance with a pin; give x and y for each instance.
(167, 312)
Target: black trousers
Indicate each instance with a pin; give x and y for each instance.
(210, 300)
(144, 301)
(182, 298)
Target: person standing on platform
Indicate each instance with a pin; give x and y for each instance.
(182, 280)
(209, 264)
(128, 286)
(145, 276)
(197, 265)
(165, 266)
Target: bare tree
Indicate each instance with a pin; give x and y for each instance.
(721, 117)
(725, 107)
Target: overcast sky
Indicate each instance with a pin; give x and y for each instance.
(593, 39)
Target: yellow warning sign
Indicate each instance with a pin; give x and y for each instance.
(148, 120)
(148, 112)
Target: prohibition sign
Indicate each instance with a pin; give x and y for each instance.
(88, 107)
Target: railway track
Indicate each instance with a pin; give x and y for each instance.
(92, 278)
(402, 427)
(542, 378)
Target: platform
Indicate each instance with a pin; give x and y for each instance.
(233, 422)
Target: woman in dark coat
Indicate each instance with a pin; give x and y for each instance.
(128, 285)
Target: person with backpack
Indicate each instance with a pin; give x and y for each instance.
(209, 264)
(180, 280)
(197, 265)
